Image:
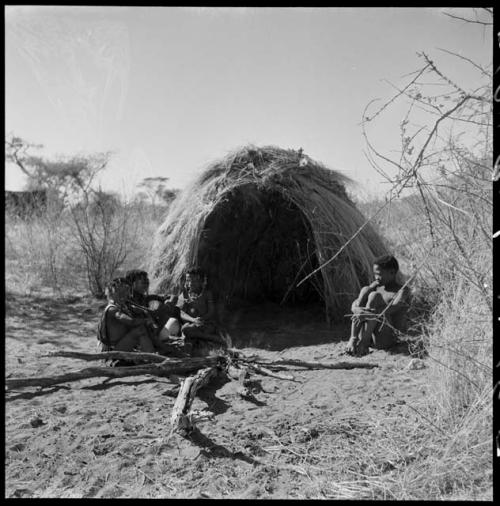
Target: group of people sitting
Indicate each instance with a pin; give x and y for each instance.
(130, 323)
(135, 320)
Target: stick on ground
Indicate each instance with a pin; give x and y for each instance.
(165, 368)
(180, 420)
(320, 365)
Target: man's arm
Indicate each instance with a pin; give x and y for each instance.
(185, 318)
(188, 319)
(358, 306)
(400, 302)
(125, 319)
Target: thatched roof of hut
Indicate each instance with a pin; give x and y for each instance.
(260, 220)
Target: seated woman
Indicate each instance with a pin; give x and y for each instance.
(197, 314)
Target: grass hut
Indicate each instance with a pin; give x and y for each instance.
(260, 220)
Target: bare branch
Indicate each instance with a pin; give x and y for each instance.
(395, 97)
(439, 73)
(488, 74)
(476, 21)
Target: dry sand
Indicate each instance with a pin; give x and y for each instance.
(110, 438)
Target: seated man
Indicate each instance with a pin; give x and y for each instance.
(165, 305)
(379, 312)
(197, 312)
(119, 329)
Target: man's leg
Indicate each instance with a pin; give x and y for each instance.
(129, 341)
(166, 312)
(146, 343)
(190, 333)
(137, 337)
(173, 327)
(377, 304)
(383, 335)
(356, 327)
(366, 336)
(203, 337)
(194, 331)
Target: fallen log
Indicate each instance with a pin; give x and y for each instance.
(319, 365)
(159, 365)
(137, 357)
(165, 368)
(282, 364)
(180, 420)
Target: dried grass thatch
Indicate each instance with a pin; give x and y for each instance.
(260, 220)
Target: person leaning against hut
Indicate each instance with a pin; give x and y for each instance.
(118, 329)
(197, 312)
(379, 312)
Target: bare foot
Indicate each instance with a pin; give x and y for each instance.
(351, 346)
(362, 350)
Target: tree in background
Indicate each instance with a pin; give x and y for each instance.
(66, 178)
(98, 220)
(155, 188)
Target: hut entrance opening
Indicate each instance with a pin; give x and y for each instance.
(256, 246)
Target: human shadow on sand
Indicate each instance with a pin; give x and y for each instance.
(210, 449)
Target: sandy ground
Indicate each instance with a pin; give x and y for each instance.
(101, 438)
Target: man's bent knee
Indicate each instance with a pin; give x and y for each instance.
(375, 300)
(173, 327)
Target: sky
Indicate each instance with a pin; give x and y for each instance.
(170, 89)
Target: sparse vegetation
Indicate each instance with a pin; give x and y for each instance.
(390, 433)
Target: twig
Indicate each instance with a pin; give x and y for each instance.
(425, 418)
(267, 372)
(395, 97)
(360, 229)
(440, 74)
(476, 21)
(466, 59)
